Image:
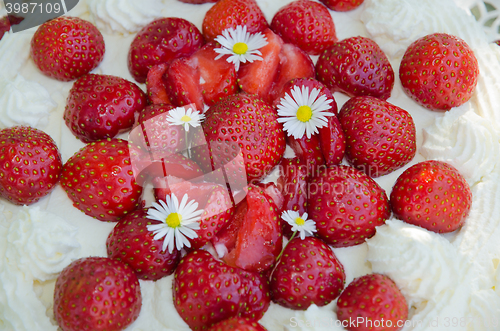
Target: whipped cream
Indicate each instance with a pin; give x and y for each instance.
(14, 53)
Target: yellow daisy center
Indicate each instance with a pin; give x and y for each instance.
(304, 114)
(174, 220)
(240, 48)
(299, 221)
(186, 118)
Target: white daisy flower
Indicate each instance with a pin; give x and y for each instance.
(304, 112)
(178, 221)
(305, 227)
(189, 117)
(240, 45)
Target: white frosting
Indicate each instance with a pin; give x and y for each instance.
(36, 245)
(24, 102)
(124, 16)
(14, 53)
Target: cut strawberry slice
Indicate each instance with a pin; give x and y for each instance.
(182, 80)
(259, 240)
(258, 77)
(294, 63)
(225, 240)
(155, 84)
(332, 140)
(308, 150)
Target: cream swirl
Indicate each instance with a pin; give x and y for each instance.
(14, 53)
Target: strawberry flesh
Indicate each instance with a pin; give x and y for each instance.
(156, 86)
(308, 150)
(333, 141)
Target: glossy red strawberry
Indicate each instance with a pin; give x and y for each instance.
(308, 150)
(207, 291)
(356, 66)
(332, 141)
(439, 71)
(200, 79)
(161, 41)
(66, 48)
(132, 243)
(372, 302)
(237, 324)
(102, 106)
(306, 24)
(225, 240)
(259, 239)
(243, 123)
(342, 5)
(96, 293)
(30, 164)
(174, 169)
(7, 21)
(230, 13)
(433, 195)
(307, 273)
(99, 180)
(346, 205)
(156, 86)
(381, 137)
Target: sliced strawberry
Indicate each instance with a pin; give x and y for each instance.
(237, 324)
(96, 291)
(231, 13)
(433, 195)
(356, 66)
(308, 150)
(7, 21)
(342, 5)
(215, 202)
(66, 48)
(258, 77)
(306, 24)
(100, 181)
(156, 86)
(207, 291)
(274, 192)
(294, 63)
(346, 205)
(132, 243)
(374, 298)
(182, 80)
(333, 141)
(170, 171)
(259, 240)
(30, 164)
(307, 273)
(225, 240)
(162, 41)
(102, 106)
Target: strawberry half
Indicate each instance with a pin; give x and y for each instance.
(162, 41)
(207, 291)
(332, 141)
(7, 21)
(306, 24)
(231, 13)
(356, 66)
(381, 137)
(133, 244)
(439, 71)
(342, 5)
(433, 195)
(96, 293)
(100, 181)
(372, 303)
(237, 324)
(346, 205)
(259, 239)
(156, 86)
(308, 150)
(66, 48)
(102, 106)
(30, 164)
(307, 273)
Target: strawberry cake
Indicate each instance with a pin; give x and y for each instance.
(450, 281)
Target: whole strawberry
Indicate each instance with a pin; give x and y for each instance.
(307, 273)
(439, 71)
(162, 41)
(372, 302)
(342, 5)
(433, 195)
(207, 291)
(132, 243)
(66, 48)
(237, 324)
(100, 181)
(381, 137)
(230, 13)
(101, 106)
(245, 128)
(356, 66)
(346, 205)
(30, 164)
(307, 24)
(96, 293)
